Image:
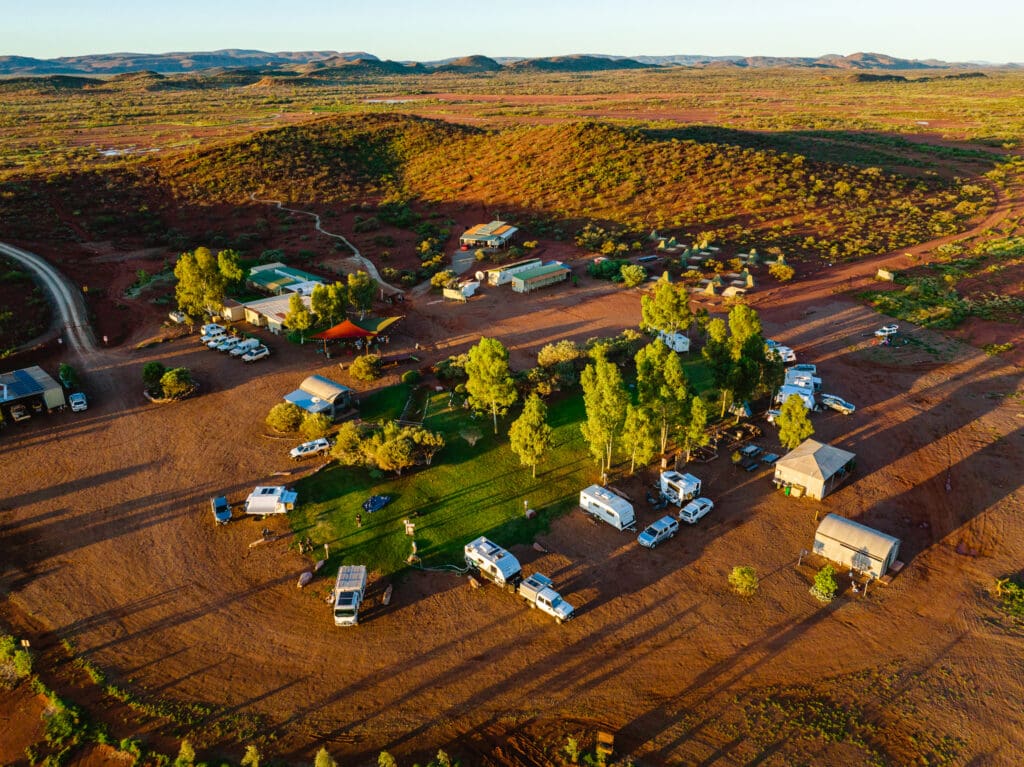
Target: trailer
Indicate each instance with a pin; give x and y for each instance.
(349, 590)
(491, 561)
(805, 393)
(602, 503)
(263, 501)
(678, 488)
(538, 592)
(677, 342)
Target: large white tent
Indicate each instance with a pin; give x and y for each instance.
(855, 545)
(814, 469)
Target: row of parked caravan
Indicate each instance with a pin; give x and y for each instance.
(215, 336)
(801, 380)
(681, 490)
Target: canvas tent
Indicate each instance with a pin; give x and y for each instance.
(813, 469)
(321, 395)
(855, 545)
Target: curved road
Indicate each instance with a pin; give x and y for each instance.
(66, 300)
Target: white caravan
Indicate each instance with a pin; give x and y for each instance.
(608, 507)
(678, 488)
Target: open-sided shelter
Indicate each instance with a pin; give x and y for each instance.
(814, 469)
(28, 386)
(855, 545)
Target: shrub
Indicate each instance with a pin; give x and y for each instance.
(324, 759)
(825, 587)
(560, 351)
(609, 269)
(366, 368)
(386, 760)
(1011, 597)
(744, 581)
(444, 279)
(177, 383)
(781, 272)
(284, 416)
(152, 372)
(411, 377)
(315, 425)
(186, 755)
(632, 275)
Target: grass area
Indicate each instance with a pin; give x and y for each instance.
(470, 490)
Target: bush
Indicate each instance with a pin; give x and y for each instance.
(285, 417)
(152, 372)
(1011, 597)
(781, 272)
(444, 279)
(744, 581)
(561, 351)
(366, 368)
(315, 425)
(609, 269)
(177, 383)
(825, 587)
(411, 377)
(632, 275)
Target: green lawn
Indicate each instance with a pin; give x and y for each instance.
(467, 492)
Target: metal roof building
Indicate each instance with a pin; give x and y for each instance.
(496, 234)
(321, 395)
(28, 385)
(542, 276)
(270, 312)
(814, 469)
(855, 545)
(277, 278)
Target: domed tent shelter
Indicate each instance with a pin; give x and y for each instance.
(321, 395)
(855, 545)
(813, 469)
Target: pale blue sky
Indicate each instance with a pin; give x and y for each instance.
(426, 30)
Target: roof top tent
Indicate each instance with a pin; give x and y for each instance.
(540, 277)
(499, 275)
(496, 234)
(608, 507)
(855, 545)
(321, 395)
(815, 468)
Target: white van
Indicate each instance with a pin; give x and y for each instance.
(602, 503)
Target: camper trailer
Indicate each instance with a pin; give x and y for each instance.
(608, 507)
(679, 488)
(677, 342)
(270, 500)
(491, 561)
(803, 392)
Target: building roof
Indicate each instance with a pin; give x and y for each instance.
(815, 459)
(540, 272)
(19, 384)
(277, 277)
(324, 388)
(275, 307)
(856, 536)
(496, 231)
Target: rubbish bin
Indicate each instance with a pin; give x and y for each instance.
(788, 488)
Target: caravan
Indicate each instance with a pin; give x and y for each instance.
(270, 500)
(679, 488)
(489, 560)
(608, 507)
(803, 392)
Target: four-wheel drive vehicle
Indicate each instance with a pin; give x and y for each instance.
(78, 402)
(256, 354)
(491, 561)
(837, 403)
(780, 352)
(311, 448)
(538, 592)
(695, 509)
(243, 347)
(226, 344)
(349, 590)
(659, 531)
(20, 413)
(210, 332)
(887, 330)
(221, 509)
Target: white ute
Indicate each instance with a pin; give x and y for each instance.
(538, 592)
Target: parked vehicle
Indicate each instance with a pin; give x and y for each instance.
(659, 531)
(211, 332)
(256, 354)
(837, 403)
(605, 505)
(677, 342)
(263, 501)
(221, 509)
(695, 510)
(311, 448)
(803, 392)
(489, 560)
(226, 344)
(798, 378)
(780, 353)
(244, 347)
(538, 592)
(78, 402)
(20, 413)
(771, 415)
(178, 318)
(887, 330)
(678, 488)
(804, 368)
(349, 590)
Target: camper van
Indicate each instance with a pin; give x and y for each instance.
(491, 561)
(678, 488)
(270, 500)
(349, 589)
(608, 507)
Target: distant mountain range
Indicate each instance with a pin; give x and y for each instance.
(309, 63)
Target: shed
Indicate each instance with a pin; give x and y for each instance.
(855, 545)
(814, 469)
(270, 312)
(319, 395)
(30, 385)
(496, 234)
(232, 310)
(542, 276)
(277, 278)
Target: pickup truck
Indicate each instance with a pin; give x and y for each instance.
(538, 592)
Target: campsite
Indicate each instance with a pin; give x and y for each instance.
(661, 653)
